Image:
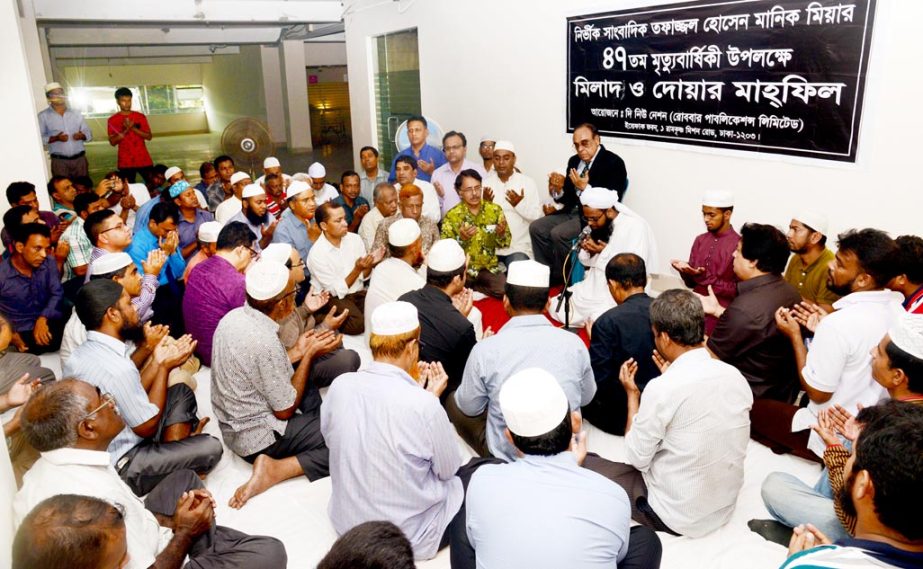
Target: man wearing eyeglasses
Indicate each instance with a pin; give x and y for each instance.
(553, 234)
(455, 147)
(73, 424)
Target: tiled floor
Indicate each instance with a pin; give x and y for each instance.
(188, 151)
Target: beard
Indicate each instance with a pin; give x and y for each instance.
(840, 290)
(602, 234)
(255, 219)
(133, 333)
(843, 497)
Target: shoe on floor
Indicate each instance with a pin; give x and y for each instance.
(771, 530)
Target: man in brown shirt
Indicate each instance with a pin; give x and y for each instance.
(746, 335)
(807, 269)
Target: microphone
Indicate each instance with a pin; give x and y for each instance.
(584, 233)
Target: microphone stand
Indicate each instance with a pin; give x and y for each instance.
(564, 297)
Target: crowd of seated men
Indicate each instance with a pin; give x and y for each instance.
(811, 348)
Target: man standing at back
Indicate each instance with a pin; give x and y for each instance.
(807, 269)
(527, 340)
(426, 157)
(129, 130)
(64, 132)
(710, 263)
(591, 165)
(455, 147)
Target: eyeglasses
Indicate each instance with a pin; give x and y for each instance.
(488, 144)
(585, 143)
(254, 254)
(595, 218)
(107, 400)
(120, 226)
(454, 147)
(473, 189)
(289, 265)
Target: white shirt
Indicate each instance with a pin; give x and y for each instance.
(369, 226)
(630, 234)
(390, 279)
(75, 333)
(326, 194)
(228, 209)
(518, 218)
(840, 361)
(431, 206)
(88, 473)
(329, 265)
(141, 195)
(689, 440)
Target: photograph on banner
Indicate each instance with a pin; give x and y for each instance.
(783, 77)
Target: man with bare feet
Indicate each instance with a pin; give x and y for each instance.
(269, 416)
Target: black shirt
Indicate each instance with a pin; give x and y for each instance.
(746, 336)
(620, 333)
(446, 335)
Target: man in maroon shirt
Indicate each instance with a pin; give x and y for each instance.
(711, 259)
(128, 130)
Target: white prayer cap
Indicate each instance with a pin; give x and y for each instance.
(445, 256)
(295, 188)
(208, 231)
(907, 334)
(251, 190)
(172, 171)
(278, 252)
(598, 198)
(505, 145)
(266, 278)
(301, 177)
(813, 219)
(532, 402)
(109, 263)
(718, 198)
(239, 177)
(528, 273)
(488, 138)
(403, 232)
(317, 170)
(271, 162)
(394, 318)
(52, 86)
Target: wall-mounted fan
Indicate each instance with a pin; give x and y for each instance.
(248, 141)
(434, 138)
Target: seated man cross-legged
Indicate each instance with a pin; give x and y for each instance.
(162, 432)
(269, 415)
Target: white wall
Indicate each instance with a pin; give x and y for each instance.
(21, 152)
(234, 87)
(326, 53)
(499, 67)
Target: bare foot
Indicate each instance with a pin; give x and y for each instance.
(260, 480)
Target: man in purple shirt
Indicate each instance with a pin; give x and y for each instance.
(455, 147)
(30, 290)
(711, 263)
(217, 285)
(23, 193)
(191, 217)
(428, 157)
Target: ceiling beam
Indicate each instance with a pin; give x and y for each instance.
(178, 12)
(136, 36)
(142, 51)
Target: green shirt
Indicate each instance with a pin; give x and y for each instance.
(811, 281)
(482, 247)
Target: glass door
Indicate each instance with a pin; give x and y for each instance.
(396, 69)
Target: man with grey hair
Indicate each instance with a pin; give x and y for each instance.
(384, 196)
(72, 423)
(685, 447)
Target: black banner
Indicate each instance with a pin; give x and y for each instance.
(782, 77)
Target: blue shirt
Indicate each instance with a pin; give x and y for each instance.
(104, 362)
(143, 215)
(427, 153)
(143, 243)
(71, 122)
(546, 512)
(189, 230)
(360, 201)
(293, 231)
(23, 299)
(523, 342)
(393, 456)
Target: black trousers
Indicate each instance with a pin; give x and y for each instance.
(168, 307)
(303, 440)
(56, 327)
(608, 410)
(220, 547)
(552, 236)
(146, 465)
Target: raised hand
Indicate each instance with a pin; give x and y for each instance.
(463, 301)
(592, 246)
(548, 209)
(710, 303)
(581, 182)
(806, 537)
(844, 422)
(170, 353)
(555, 183)
(154, 263)
(627, 374)
(825, 429)
(513, 198)
(467, 231)
(487, 195)
(808, 314)
(660, 361)
(153, 334)
(169, 243)
(439, 189)
(437, 379)
(426, 165)
(20, 392)
(333, 321)
(786, 323)
(314, 302)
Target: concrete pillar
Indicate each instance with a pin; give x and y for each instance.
(295, 96)
(34, 56)
(22, 150)
(272, 88)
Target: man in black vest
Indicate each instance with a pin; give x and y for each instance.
(553, 234)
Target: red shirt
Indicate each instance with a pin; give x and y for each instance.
(132, 151)
(914, 304)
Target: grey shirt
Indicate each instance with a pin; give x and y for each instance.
(251, 378)
(524, 342)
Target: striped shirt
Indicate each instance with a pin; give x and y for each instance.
(143, 301)
(104, 361)
(80, 248)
